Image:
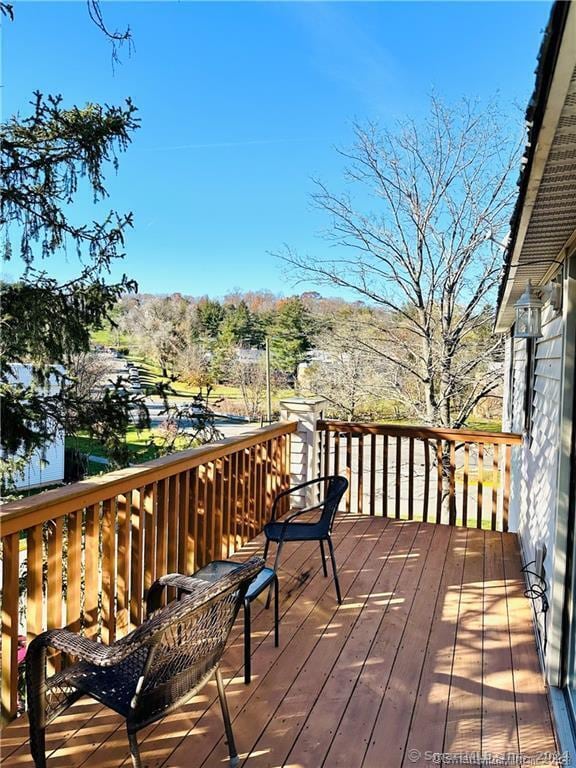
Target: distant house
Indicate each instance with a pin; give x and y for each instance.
(313, 356)
(540, 364)
(46, 465)
(249, 356)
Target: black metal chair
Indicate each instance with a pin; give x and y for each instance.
(281, 531)
(151, 671)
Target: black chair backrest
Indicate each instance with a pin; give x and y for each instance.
(335, 490)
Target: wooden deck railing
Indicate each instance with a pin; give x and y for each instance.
(83, 556)
(454, 476)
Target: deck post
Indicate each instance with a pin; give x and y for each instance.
(304, 453)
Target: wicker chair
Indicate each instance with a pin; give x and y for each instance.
(151, 671)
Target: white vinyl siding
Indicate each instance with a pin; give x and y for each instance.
(535, 467)
(45, 467)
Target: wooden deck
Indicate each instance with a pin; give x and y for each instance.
(431, 651)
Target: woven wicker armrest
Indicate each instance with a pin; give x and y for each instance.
(183, 583)
(76, 645)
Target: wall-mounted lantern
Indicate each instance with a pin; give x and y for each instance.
(528, 314)
(529, 309)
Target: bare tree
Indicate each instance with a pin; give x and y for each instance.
(88, 372)
(250, 378)
(192, 365)
(116, 37)
(344, 370)
(429, 254)
(160, 328)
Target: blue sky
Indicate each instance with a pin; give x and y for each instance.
(243, 103)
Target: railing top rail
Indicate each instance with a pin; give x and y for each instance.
(423, 432)
(30, 511)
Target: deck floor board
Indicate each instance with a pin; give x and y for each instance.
(431, 651)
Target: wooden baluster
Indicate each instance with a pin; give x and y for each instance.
(281, 462)
(137, 513)
(239, 491)
(162, 528)
(495, 461)
(108, 570)
(202, 516)
(466, 471)
(336, 453)
(217, 502)
(74, 579)
(480, 485)
(242, 496)
(183, 520)
(10, 597)
(273, 479)
(439, 489)
(123, 579)
(150, 516)
(193, 518)
(426, 498)
(276, 464)
(286, 459)
(263, 484)
(271, 483)
(372, 474)
(252, 493)
(411, 479)
(265, 491)
(385, 476)
(348, 469)
(506, 488)
(173, 523)
(226, 507)
(360, 482)
(452, 480)
(327, 470)
(54, 586)
(258, 499)
(91, 572)
(236, 513)
(265, 456)
(257, 488)
(398, 487)
(208, 521)
(246, 498)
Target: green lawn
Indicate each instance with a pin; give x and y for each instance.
(138, 442)
(110, 338)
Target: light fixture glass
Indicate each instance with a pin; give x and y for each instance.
(528, 314)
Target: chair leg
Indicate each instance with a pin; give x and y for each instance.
(134, 750)
(276, 561)
(276, 613)
(247, 659)
(323, 558)
(266, 547)
(38, 746)
(234, 760)
(338, 594)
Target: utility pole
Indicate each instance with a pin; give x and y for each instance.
(268, 387)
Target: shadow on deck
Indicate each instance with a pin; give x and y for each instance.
(431, 651)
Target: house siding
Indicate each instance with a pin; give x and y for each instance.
(535, 466)
(45, 467)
